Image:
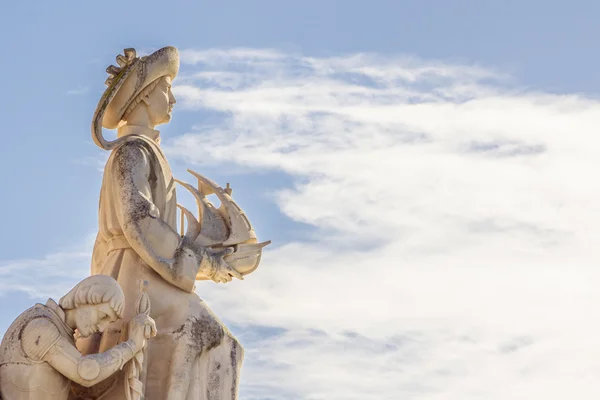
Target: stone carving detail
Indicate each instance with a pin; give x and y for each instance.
(194, 355)
(38, 357)
(221, 227)
(177, 349)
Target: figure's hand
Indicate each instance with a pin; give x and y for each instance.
(141, 327)
(224, 272)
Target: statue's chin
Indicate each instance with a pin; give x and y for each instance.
(165, 120)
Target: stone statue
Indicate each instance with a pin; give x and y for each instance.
(193, 356)
(38, 357)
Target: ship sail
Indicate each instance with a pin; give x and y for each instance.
(226, 226)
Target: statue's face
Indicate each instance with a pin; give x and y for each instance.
(93, 318)
(160, 102)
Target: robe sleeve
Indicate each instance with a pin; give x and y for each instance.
(157, 244)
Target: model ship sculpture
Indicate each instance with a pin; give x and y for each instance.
(218, 228)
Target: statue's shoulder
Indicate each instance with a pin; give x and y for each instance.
(38, 336)
(134, 144)
(135, 151)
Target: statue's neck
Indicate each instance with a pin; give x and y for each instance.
(139, 130)
(138, 123)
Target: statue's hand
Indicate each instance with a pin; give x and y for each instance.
(223, 272)
(141, 327)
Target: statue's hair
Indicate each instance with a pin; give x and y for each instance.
(95, 289)
(140, 97)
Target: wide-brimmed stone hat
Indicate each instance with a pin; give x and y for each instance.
(125, 82)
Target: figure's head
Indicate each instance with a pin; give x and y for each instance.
(93, 303)
(156, 100)
(138, 93)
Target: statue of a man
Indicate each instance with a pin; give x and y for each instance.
(38, 357)
(193, 355)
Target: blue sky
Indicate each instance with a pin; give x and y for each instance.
(54, 49)
(425, 169)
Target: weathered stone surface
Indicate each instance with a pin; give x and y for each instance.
(38, 358)
(190, 353)
(194, 355)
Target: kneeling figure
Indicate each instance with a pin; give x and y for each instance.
(38, 357)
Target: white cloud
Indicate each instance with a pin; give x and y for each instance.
(456, 218)
(78, 91)
(51, 276)
(97, 162)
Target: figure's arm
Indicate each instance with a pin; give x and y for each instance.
(41, 341)
(91, 369)
(151, 238)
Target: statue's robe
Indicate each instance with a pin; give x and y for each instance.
(194, 356)
(24, 375)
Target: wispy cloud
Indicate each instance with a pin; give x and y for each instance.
(78, 91)
(51, 276)
(96, 162)
(456, 219)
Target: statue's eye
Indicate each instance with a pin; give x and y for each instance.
(101, 315)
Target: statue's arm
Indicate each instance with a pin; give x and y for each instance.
(149, 236)
(41, 341)
(91, 369)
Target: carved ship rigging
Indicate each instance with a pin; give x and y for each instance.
(217, 228)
